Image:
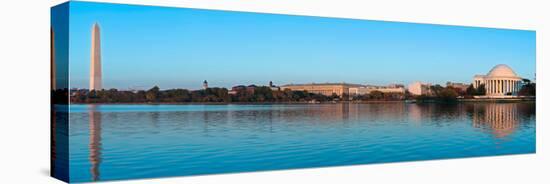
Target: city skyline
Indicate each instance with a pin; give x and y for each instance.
(230, 48)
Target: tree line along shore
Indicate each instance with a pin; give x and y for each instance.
(261, 94)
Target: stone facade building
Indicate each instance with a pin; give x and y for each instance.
(363, 90)
(419, 88)
(326, 89)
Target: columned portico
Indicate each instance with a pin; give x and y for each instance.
(500, 81)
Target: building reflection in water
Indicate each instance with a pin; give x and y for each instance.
(501, 118)
(343, 113)
(95, 141)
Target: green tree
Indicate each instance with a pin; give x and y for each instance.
(263, 93)
(436, 89)
(526, 81)
(528, 89)
(448, 94)
(471, 91)
(481, 90)
(152, 94)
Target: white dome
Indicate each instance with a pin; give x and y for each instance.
(502, 70)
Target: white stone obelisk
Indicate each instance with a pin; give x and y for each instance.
(95, 60)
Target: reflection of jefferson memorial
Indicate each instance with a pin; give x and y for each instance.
(501, 118)
(500, 81)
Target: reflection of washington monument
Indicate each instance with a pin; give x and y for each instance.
(95, 141)
(94, 115)
(95, 59)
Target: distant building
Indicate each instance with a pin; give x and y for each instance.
(238, 88)
(273, 87)
(500, 81)
(392, 88)
(74, 91)
(362, 90)
(461, 86)
(243, 88)
(419, 88)
(251, 88)
(326, 89)
(205, 84)
(235, 89)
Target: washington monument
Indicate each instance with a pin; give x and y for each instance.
(95, 60)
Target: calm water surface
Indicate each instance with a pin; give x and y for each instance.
(136, 141)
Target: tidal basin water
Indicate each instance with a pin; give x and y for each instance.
(109, 142)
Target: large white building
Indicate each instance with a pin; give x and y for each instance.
(500, 81)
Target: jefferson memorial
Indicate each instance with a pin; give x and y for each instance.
(500, 81)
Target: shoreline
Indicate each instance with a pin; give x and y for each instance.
(510, 100)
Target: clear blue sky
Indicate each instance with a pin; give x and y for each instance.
(144, 46)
